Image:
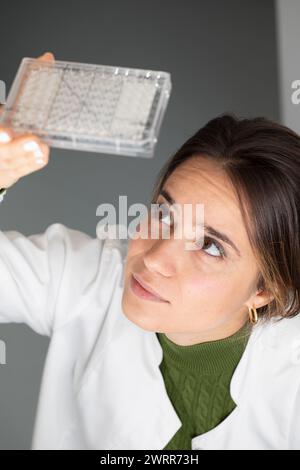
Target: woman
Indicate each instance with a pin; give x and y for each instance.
(210, 359)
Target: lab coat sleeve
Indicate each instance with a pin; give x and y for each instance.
(45, 278)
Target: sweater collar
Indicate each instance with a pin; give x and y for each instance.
(210, 357)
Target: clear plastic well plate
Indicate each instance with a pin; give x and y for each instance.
(97, 108)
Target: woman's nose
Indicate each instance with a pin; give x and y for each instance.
(161, 257)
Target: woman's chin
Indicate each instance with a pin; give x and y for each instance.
(143, 318)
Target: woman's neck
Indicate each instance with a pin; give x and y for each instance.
(189, 339)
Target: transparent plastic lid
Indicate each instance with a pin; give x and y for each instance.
(97, 108)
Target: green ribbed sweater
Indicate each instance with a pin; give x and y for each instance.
(197, 379)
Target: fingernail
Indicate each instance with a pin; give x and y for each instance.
(4, 137)
(30, 146)
(38, 153)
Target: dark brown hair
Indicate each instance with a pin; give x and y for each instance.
(261, 159)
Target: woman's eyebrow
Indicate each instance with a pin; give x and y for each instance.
(209, 229)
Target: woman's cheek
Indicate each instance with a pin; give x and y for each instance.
(200, 287)
(208, 290)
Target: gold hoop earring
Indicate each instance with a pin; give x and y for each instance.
(253, 317)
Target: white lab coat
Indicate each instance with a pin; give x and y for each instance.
(102, 387)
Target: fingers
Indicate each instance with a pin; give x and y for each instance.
(23, 150)
(47, 57)
(26, 157)
(6, 135)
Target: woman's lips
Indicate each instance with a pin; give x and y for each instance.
(142, 292)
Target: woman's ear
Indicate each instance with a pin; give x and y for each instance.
(261, 298)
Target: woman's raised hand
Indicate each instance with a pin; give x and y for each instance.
(23, 153)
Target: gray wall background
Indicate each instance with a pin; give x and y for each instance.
(288, 34)
(222, 57)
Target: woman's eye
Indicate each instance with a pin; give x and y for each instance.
(214, 248)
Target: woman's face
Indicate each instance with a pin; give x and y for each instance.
(207, 293)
